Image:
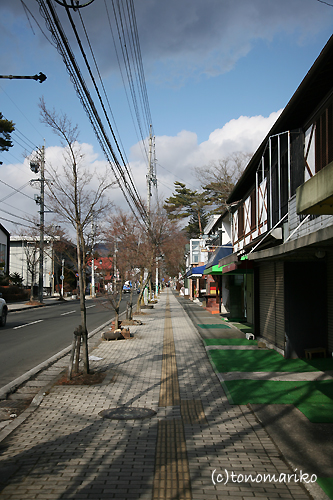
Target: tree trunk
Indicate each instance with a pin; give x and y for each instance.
(138, 304)
(130, 314)
(82, 303)
(32, 287)
(199, 221)
(130, 306)
(116, 321)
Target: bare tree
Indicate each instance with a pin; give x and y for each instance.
(73, 198)
(31, 252)
(164, 240)
(218, 178)
(123, 236)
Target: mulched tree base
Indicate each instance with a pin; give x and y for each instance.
(93, 378)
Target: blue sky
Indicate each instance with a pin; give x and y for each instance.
(218, 72)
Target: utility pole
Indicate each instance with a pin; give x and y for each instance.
(36, 167)
(92, 259)
(150, 173)
(41, 228)
(149, 176)
(154, 179)
(62, 277)
(115, 267)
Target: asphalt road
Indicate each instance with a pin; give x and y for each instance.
(32, 336)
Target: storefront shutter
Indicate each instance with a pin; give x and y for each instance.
(267, 301)
(330, 300)
(272, 324)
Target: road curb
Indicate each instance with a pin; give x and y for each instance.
(12, 425)
(9, 388)
(312, 488)
(37, 306)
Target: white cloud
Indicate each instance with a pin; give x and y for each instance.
(21, 201)
(178, 155)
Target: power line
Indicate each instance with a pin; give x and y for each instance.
(145, 152)
(16, 208)
(15, 222)
(25, 139)
(99, 75)
(125, 161)
(177, 176)
(63, 47)
(17, 190)
(17, 216)
(135, 197)
(20, 111)
(26, 10)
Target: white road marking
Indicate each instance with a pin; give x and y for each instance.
(69, 312)
(27, 324)
(94, 305)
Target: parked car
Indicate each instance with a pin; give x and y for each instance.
(3, 311)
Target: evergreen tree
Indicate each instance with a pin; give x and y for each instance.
(6, 128)
(185, 203)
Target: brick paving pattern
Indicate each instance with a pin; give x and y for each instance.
(172, 477)
(64, 449)
(169, 395)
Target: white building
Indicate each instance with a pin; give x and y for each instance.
(24, 260)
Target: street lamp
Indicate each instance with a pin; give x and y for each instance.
(40, 77)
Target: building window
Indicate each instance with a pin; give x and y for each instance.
(240, 221)
(324, 139)
(3, 255)
(195, 251)
(253, 197)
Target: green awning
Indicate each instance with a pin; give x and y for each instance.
(214, 270)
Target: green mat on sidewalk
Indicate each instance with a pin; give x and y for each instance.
(264, 361)
(243, 328)
(230, 342)
(326, 484)
(276, 392)
(313, 398)
(320, 413)
(214, 325)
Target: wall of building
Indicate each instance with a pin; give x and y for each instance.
(305, 306)
(271, 297)
(18, 263)
(330, 301)
(314, 223)
(249, 287)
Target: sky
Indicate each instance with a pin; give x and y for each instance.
(217, 72)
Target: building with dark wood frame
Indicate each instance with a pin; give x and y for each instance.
(282, 223)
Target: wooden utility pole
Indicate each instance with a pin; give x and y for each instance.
(150, 173)
(41, 228)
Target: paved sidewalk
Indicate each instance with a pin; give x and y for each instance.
(65, 449)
